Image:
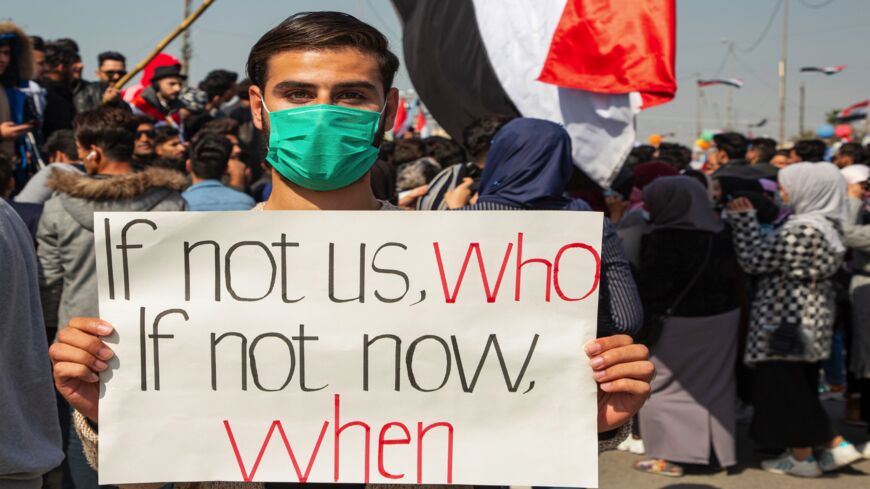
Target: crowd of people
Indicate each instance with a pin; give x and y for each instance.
(745, 269)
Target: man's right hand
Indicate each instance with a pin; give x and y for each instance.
(78, 356)
(11, 130)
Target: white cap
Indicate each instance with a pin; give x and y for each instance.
(856, 173)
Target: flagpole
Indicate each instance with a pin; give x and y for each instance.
(698, 109)
(782, 73)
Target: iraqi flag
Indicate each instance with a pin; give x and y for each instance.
(730, 82)
(588, 64)
(854, 112)
(401, 117)
(828, 70)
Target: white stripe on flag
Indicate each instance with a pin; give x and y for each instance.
(517, 39)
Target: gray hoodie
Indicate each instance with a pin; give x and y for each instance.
(30, 443)
(65, 237)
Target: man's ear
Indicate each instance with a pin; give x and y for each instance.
(188, 167)
(256, 99)
(392, 108)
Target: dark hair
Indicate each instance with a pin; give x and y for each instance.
(766, 148)
(477, 136)
(217, 82)
(11, 76)
(37, 43)
(143, 119)
(811, 150)
(855, 150)
(58, 54)
(446, 151)
(640, 155)
(222, 127)
(676, 155)
(386, 150)
(165, 133)
(67, 43)
(7, 170)
(408, 150)
(733, 144)
(110, 55)
(781, 152)
(242, 89)
(109, 128)
(321, 31)
(210, 156)
(63, 140)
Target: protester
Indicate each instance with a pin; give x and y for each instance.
(781, 159)
(793, 316)
(759, 154)
(688, 285)
(91, 95)
(207, 166)
(16, 116)
(857, 230)
(850, 154)
(62, 154)
(219, 87)
(527, 168)
(630, 217)
(169, 151)
(30, 441)
(676, 155)
(160, 100)
(477, 138)
(728, 152)
(317, 52)
(28, 212)
(57, 79)
(808, 150)
(146, 138)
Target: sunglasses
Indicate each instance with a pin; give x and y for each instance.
(114, 73)
(150, 133)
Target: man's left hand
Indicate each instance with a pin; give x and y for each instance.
(623, 372)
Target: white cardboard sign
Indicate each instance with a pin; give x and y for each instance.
(382, 347)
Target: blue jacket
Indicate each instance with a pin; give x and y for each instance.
(212, 195)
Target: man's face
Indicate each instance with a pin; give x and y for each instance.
(111, 71)
(5, 57)
(38, 63)
(347, 77)
(144, 140)
(76, 69)
(780, 161)
(793, 157)
(172, 148)
(169, 88)
(842, 161)
(752, 156)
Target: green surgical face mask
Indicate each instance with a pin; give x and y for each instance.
(322, 147)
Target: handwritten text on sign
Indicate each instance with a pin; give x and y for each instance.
(349, 347)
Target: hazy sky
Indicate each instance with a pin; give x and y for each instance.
(837, 33)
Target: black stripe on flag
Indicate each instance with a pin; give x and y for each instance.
(448, 63)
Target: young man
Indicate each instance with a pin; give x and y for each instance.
(336, 67)
(168, 149)
(207, 165)
(143, 149)
(159, 101)
(850, 154)
(91, 95)
(809, 150)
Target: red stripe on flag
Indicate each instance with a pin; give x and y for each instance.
(401, 116)
(609, 46)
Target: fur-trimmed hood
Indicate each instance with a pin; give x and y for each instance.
(127, 186)
(82, 195)
(25, 49)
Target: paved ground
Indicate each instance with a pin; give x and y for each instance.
(616, 471)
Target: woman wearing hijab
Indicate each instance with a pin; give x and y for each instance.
(792, 317)
(527, 168)
(687, 278)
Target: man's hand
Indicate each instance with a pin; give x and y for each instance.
(78, 357)
(741, 204)
(460, 195)
(11, 130)
(408, 201)
(623, 373)
(111, 94)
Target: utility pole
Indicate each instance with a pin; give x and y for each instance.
(186, 50)
(803, 102)
(698, 108)
(729, 94)
(782, 71)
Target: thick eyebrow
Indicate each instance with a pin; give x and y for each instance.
(360, 85)
(288, 85)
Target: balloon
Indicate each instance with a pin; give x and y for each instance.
(825, 131)
(707, 135)
(702, 145)
(655, 139)
(843, 130)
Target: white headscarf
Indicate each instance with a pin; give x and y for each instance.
(856, 174)
(817, 191)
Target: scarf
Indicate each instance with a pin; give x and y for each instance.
(817, 192)
(680, 202)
